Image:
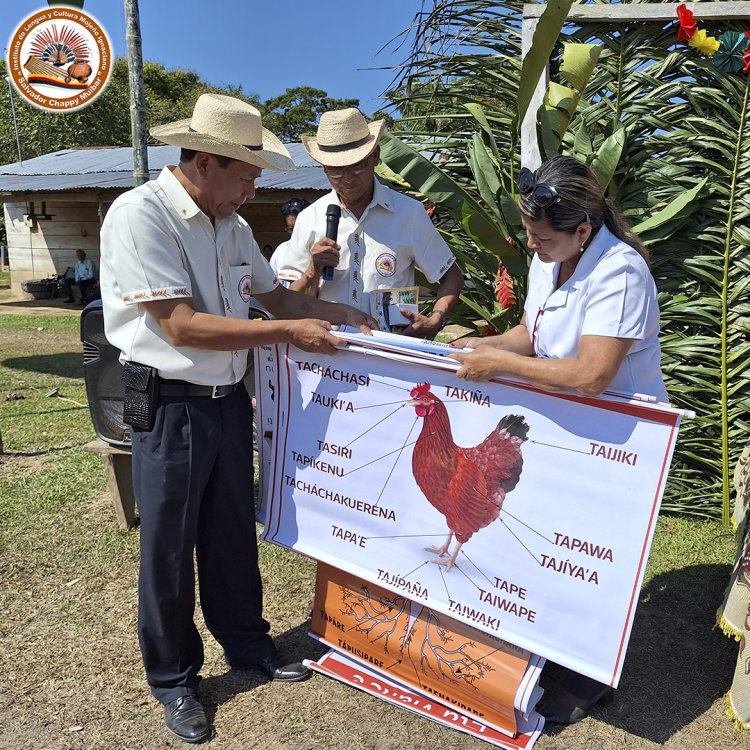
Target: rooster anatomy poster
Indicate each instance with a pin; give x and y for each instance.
(525, 514)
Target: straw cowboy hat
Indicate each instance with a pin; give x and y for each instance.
(344, 137)
(228, 127)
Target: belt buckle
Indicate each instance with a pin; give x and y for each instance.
(215, 391)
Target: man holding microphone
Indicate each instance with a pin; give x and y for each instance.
(382, 235)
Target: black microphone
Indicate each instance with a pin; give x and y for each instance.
(333, 214)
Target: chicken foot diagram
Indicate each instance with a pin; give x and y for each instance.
(442, 658)
(381, 618)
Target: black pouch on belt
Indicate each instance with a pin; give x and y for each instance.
(141, 395)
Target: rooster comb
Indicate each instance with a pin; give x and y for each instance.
(418, 390)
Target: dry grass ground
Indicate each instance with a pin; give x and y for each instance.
(70, 673)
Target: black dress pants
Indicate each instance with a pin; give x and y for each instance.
(83, 285)
(193, 481)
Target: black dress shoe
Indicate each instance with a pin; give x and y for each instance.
(275, 667)
(186, 719)
(572, 698)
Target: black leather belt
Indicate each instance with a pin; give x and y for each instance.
(183, 388)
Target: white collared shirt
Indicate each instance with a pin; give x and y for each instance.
(378, 251)
(157, 244)
(277, 260)
(611, 293)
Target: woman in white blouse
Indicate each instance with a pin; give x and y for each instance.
(591, 318)
(590, 324)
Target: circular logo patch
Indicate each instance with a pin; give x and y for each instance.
(244, 288)
(386, 264)
(60, 59)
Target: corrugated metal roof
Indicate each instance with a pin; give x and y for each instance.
(102, 168)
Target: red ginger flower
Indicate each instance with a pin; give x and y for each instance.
(503, 287)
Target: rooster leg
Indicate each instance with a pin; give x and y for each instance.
(440, 551)
(451, 561)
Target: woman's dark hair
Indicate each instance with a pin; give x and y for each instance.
(578, 194)
(293, 206)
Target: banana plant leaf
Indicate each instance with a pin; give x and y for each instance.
(426, 178)
(607, 157)
(535, 63)
(669, 211)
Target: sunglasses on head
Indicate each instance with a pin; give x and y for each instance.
(542, 195)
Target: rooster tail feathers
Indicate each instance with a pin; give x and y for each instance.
(515, 425)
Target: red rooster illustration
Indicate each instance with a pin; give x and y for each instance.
(467, 485)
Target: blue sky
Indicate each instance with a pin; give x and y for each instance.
(263, 45)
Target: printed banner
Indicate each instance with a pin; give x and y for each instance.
(443, 659)
(339, 667)
(537, 509)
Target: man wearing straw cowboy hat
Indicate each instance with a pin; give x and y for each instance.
(178, 266)
(382, 234)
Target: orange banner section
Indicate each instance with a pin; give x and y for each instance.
(454, 663)
(337, 666)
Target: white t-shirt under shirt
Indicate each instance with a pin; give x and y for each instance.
(156, 243)
(611, 293)
(277, 259)
(378, 251)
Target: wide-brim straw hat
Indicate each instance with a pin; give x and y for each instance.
(229, 127)
(344, 137)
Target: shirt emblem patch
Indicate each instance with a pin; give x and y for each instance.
(385, 264)
(244, 288)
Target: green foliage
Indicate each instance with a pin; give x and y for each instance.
(170, 95)
(535, 62)
(297, 110)
(665, 131)
(464, 107)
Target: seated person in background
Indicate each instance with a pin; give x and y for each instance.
(382, 234)
(289, 210)
(590, 323)
(84, 278)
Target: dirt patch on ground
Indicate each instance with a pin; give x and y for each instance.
(11, 304)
